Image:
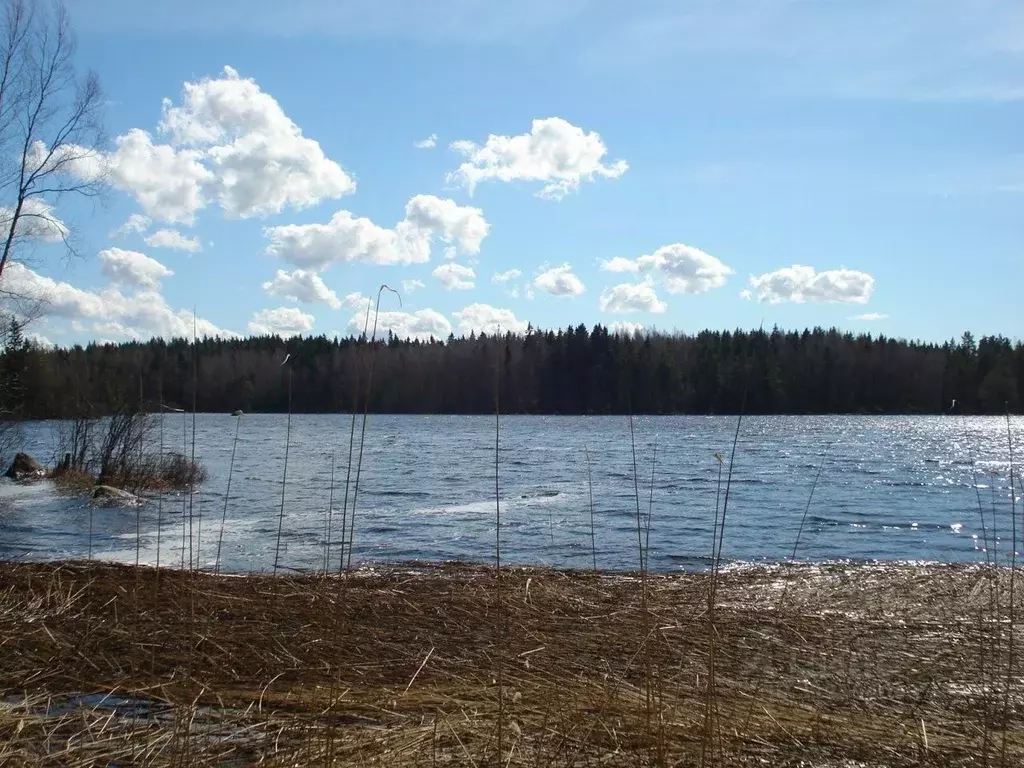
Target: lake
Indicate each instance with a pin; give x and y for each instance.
(890, 488)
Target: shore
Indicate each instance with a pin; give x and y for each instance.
(419, 664)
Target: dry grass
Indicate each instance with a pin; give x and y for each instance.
(858, 666)
(73, 482)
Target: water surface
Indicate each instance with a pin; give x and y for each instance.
(890, 488)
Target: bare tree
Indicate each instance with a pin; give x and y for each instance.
(50, 126)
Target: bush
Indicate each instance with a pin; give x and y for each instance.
(118, 446)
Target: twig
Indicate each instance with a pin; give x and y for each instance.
(418, 670)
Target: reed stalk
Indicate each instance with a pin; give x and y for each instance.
(366, 413)
(328, 520)
(650, 506)
(1008, 684)
(192, 485)
(711, 717)
(284, 476)
(352, 439)
(184, 498)
(227, 495)
(160, 495)
(590, 487)
(497, 560)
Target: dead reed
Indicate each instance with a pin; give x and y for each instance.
(227, 494)
(868, 662)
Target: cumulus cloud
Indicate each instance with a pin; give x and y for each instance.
(174, 240)
(229, 142)
(262, 161)
(559, 281)
(800, 283)
(137, 223)
(683, 268)
(168, 183)
(40, 341)
(348, 238)
(37, 221)
(554, 152)
(483, 317)
(283, 321)
(455, 277)
(142, 314)
(355, 299)
(428, 143)
(422, 324)
(132, 268)
(620, 264)
(411, 286)
(62, 299)
(302, 285)
(870, 317)
(631, 297)
(504, 277)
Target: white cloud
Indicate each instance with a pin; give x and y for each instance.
(168, 183)
(113, 329)
(428, 143)
(460, 224)
(554, 152)
(262, 161)
(62, 299)
(559, 281)
(631, 297)
(355, 300)
(37, 221)
(685, 269)
(283, 321)
(626, 328)
(229, 142)
(348, 238)
(800, 283)
(132, 268)
(137, 223)
(140, 315)
(302, 285)
(504, 277)
(411, 286)
(620, 264)
(455, 277)
(870, 317)
(405, 325)
(40, 341)
(173, 239)
(483, 317)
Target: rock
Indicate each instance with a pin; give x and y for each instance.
(24, 467)
(109, 496)
(237, 412)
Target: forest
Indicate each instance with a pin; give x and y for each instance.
(570, 371)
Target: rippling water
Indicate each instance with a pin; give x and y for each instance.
(890, 488)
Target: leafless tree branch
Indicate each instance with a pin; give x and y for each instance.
(50, 126)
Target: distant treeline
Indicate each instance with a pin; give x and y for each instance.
(572, 371)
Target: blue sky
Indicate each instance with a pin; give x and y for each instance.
(678, 165)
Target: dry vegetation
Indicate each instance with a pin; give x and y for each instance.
(818, 666)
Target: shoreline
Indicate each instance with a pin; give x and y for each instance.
(399, 665)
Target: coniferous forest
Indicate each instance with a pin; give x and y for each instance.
(571, 371)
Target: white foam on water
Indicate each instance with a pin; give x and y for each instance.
(471, 508)
(41, 492)
(957, 527)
